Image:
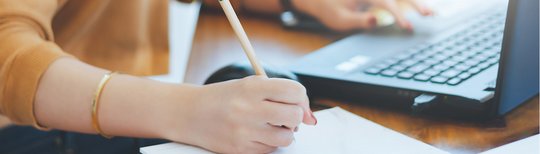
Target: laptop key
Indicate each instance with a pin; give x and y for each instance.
(398, 68)
(431, 72)
(389, 73)
(459, 58)
(471, 63)
(450, 62)
(462, 67)
(405, 75)
(441, 67)
(421, 77)
(475, 60)
(454, 81)
(474, 70)
(439, 79)
(468, 53)
(484, 65)
(418, 68)
(493, 61)
(408, 63)
(448, 53)
(430, 61)
(450, 73)
(439, 57)
(481, 57)
(478, 58)
(421, 56)
(460, 46)
(464, 75)
(485, 55)
(372, 70)
(439, 46)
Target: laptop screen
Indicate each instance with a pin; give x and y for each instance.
(517, 79)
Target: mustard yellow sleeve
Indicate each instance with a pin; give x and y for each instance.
(26, 51)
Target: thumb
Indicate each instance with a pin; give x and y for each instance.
(309, 118)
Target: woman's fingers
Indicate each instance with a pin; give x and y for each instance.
(283, 90)
(345, 15)
(279, 114)
(261, 147)
(274, 136)
(347, 20)
(362, 20)
(421, 8)
(392, 7)
(288, 92)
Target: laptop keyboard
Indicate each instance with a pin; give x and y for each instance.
(453, 59)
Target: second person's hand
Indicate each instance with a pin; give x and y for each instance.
(345, 15)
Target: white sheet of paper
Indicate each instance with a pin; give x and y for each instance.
(529, 145)
(337, 131)
(182, 23)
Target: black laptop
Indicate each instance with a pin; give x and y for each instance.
(478, 63)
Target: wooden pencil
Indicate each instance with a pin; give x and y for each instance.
(242, 36)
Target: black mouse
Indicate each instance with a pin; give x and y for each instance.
(243, 69)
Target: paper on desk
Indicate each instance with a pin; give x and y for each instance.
(337, 131)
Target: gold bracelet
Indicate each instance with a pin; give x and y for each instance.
(95, 104)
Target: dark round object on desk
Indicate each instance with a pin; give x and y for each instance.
(243, 69)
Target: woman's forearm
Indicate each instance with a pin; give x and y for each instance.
(225, 117)
(129, 106)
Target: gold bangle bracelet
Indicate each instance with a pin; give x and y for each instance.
(95, 104)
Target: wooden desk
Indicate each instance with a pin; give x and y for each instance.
(216, 45)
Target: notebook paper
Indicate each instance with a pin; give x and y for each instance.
(337, 131)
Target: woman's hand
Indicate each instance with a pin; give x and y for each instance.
(250, 115)
(345, 15)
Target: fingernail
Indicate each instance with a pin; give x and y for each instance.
(408, 26)
(313, 116)
(428, 11)
(372, 22)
